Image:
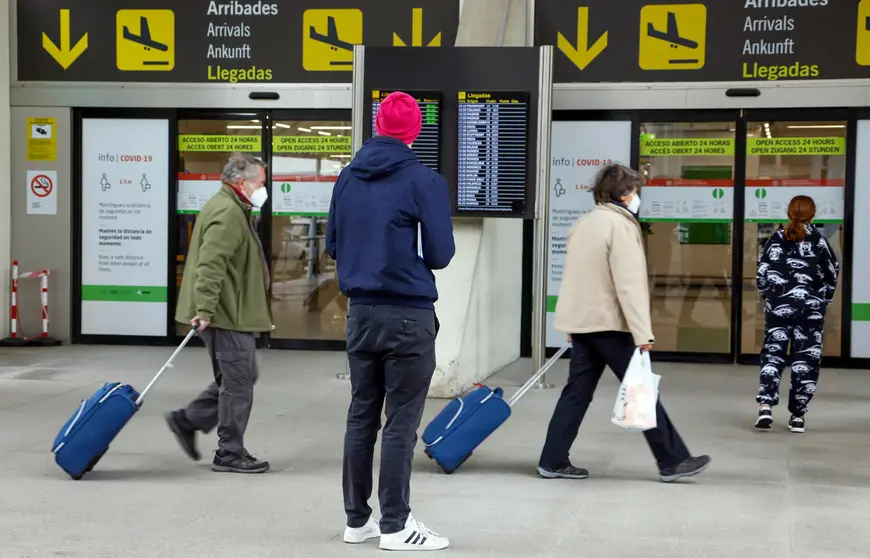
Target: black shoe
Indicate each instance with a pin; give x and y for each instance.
(765, 418)
(688, 468)
(569, 472)
(797, 424)
(186, 437)
(232, 464)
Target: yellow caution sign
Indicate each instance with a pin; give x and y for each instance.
(796, 146)
(41, 139)
(417, 32)
(311, 144)
(64, 53)
(687, 147)
(582, 54)
(862, 48)
(673, 37)
(328, 37)
(219, 143)
(145, 40)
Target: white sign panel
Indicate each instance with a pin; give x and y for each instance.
(687, 200)
(860, 263)
(125, 236)
(579, 150)
(302, 195)
(767, 200)
(194, 190)
(41, 192)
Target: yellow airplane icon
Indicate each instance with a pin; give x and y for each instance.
(152, 47)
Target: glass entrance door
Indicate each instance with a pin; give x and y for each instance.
(786, 158)
(687, 214)
(205, 141)
(308, 151)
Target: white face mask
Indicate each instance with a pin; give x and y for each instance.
(259, 197)
(634, 204)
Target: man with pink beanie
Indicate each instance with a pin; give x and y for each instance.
(389, 227)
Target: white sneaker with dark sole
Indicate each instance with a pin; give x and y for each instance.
(359, 535)
(415, 536)
(765, 419)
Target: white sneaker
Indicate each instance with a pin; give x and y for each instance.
(415, 536)
(359, 535)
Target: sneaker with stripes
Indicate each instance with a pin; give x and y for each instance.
(765, 418)
(415, 536)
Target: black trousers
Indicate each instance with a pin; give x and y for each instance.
(805, 338)
(391, 350)
(590, 353)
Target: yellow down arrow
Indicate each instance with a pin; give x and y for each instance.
(417, 32)
(63, 54)
(583, 54)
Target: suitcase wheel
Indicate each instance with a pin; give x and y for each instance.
(428, 453)
(458, 465)
(96, 460)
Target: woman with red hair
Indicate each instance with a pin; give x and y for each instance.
(797, 277)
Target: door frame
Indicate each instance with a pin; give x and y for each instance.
(741, 119)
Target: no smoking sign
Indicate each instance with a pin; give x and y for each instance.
(41, 185)
(41, 192)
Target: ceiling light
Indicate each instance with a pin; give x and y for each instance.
(330, 127)
(282, 125)
(255, 121)
(814, 126)
(243, 127)
(301, 129)
(322, 133)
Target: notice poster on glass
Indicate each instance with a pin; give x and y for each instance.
(767, 200)
(194, 190)
(309, 196)
(705, 198)
(579, 150)
(125, 235)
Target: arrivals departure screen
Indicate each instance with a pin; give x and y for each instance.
(493, 136)
(427, 144)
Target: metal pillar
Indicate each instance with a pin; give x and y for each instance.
(358, 106)
(542, 216)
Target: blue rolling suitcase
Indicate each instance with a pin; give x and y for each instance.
(466, 422)
(86, 436)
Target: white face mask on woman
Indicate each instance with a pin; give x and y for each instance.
(634, 204)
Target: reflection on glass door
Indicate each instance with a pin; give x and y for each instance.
(204, 146)
(307, 157)
(783, 160)
(687, 213)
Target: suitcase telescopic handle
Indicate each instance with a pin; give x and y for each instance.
(531, 381)
(168, 364)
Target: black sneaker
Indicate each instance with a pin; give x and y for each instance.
(569, 472)
(232, 464)
(797, 424)
(765, 418)
(688, 468)
(186, 437)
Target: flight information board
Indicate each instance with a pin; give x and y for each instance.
(427, 145)
(493, 152)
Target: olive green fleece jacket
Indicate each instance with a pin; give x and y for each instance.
(224, 278)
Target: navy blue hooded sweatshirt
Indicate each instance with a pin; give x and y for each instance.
(376, 205)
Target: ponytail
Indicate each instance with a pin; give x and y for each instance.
(801, 211)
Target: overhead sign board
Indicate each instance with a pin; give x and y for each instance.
(218, 41)
(705, 40)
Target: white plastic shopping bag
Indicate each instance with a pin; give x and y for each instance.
(635, 407)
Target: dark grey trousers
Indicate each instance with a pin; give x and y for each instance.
(391, 350)
(227, 402)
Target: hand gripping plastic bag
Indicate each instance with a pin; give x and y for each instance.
(635, 407)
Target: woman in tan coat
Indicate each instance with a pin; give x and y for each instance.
(604, 306)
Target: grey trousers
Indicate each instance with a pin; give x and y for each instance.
(227, 402)
(391, 350)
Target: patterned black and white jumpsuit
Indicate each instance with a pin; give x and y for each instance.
(797, 281)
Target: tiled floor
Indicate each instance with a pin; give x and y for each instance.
(770, 494)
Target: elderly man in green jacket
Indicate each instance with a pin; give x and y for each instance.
(224, 293)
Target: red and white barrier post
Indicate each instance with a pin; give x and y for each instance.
(16, 338)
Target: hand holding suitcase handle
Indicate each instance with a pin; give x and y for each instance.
(194, 327)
